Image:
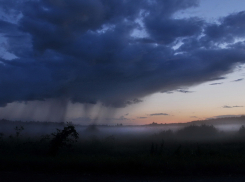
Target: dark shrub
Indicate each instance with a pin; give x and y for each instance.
(193, 132)
(167, 134)
(18, 130)
(241, 131)
(62, 138)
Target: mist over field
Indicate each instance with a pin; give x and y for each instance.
(32, 128)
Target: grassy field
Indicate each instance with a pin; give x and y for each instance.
(191, 151)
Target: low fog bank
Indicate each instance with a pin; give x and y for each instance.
(196, 130)
(223, 124)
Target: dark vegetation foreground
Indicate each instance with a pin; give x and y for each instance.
(191, 151)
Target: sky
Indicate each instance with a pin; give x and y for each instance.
(129, 62)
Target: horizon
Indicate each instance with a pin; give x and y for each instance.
(121, 124)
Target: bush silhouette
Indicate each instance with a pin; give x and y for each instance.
(168, 134)
(18, 130)
(194, 132)
(62, 138)
(241, 131)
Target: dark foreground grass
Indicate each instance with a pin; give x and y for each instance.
(175, 158)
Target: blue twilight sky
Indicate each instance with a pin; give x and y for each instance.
(130, 62)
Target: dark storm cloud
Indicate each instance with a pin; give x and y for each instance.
(11, 7)
(167, 92)
(159, 114)
(7, 27)
(230, 27)
(228, 107)
(184, 91)
(238, 80)
(83, 51)
(218, 78)
(142, 117)
(171, 28)
(135, 101)
(216, 83)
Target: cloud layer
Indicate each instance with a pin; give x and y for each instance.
(229, 107)
(85, 51)
(159, 114)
